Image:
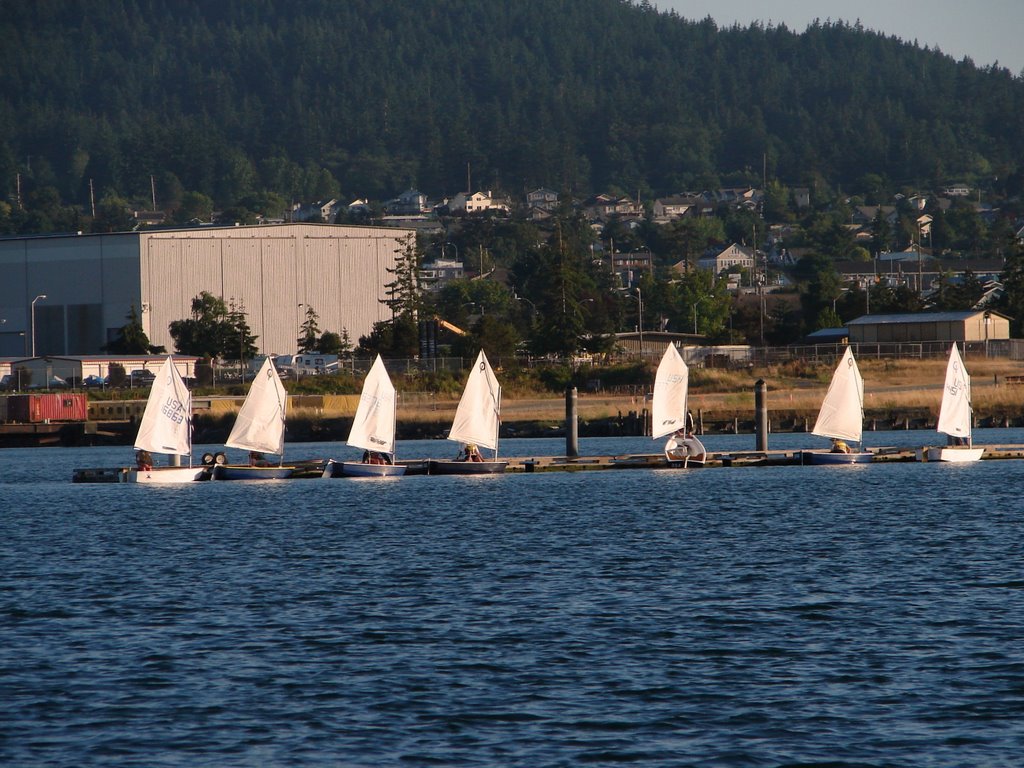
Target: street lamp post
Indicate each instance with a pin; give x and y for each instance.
(37, 298)
(640, 318)
(988, 321)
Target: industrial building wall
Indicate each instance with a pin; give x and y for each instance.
(979, 326)
(90, 282)
(275, 272)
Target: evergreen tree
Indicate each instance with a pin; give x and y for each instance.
(239, 344)
(403, 292)
(309, 332)
(131, 338)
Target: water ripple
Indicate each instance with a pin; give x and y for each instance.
(764, 617)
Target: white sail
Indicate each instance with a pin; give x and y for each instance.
(955, 411)
(668, 411)
(478, 415)
(374, 426)
(842, 411)
(167, 421)
(260, 422)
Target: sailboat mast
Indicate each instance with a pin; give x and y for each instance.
(497, 424)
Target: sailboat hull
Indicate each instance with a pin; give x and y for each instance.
(358, 469)
(163, 475)
(955, 454)
(467, 467)
(827, 457)
(229, 472)
(681, 453)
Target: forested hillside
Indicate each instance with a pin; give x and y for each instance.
(366, 97)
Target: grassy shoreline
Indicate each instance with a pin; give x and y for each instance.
(899, 394)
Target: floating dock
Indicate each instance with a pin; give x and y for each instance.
(774, 458)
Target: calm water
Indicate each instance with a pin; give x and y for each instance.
(859, 616)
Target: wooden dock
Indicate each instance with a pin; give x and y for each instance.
(772, 458)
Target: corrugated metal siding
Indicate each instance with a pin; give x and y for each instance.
(35, 409)
(339, 271)
(74, 272)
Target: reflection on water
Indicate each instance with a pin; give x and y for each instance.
(750, 617)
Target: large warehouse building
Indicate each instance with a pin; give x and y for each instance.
(70, 295)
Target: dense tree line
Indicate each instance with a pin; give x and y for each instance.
(266, 102)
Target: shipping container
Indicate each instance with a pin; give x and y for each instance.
(42, 408)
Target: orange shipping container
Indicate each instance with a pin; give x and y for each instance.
(37, 409)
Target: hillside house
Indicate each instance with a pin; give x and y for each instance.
(866, 214)
(956, 190)
(542, 199)
(631, 267)
(478, 202)
(412, 202)
(675, 207)
(735, 256)
(604, 207)
(323, 210)
(436, 274)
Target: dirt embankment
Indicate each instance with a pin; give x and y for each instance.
(896, 393)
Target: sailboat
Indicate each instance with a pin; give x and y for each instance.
(841, 416)
(669, 414)
(166, 427)
(373, 429)
(259, 429)
(955, 414)
(476, 424)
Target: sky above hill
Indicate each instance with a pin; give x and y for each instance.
(988, 31)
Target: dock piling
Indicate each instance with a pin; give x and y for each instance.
(761, 414)
(572, 430)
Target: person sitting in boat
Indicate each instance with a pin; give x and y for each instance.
(376, 457)
(839, 446)
(682, 445)
(144, 461)
(256, 459)
(472, 453)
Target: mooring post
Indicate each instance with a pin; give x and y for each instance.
(761, 414)
(572, 430)
(174, 460)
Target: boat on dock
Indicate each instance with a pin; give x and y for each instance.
(669, 413)
(956, 415)
(476, 423)
(842, 417)
(259, 429)
(166, 428)
(373, 429)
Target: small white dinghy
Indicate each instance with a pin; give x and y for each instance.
(476, 423)
(955, 415)
(259, 429)
(669, 415)
(166, 427)
(373, 429)
(841, 417)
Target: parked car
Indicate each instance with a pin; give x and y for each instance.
(90, 382)
(55, 382)
(141, 377)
